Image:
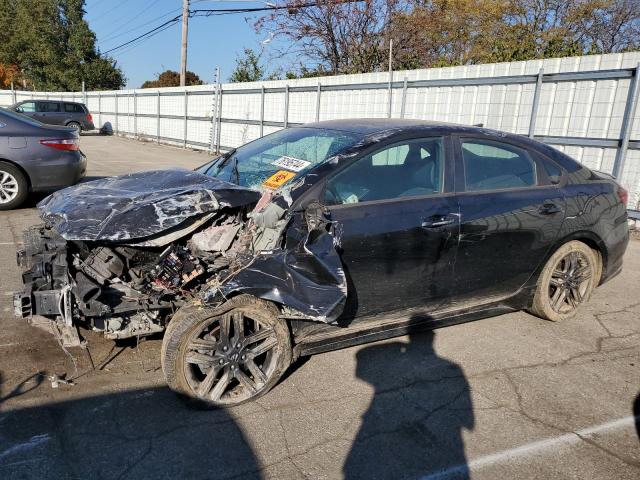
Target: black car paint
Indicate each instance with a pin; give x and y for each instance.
(46, 168)
(479, 276)
(424, 274)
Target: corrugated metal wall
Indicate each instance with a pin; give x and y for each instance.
(584, 108)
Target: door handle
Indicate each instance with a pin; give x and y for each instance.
(549, 208)
(436, 221)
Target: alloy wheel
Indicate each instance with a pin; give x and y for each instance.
(8, 187)
(570, 282)
(230, 358)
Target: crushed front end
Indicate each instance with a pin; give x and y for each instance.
(121, 255)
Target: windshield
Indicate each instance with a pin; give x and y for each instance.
(274, 160)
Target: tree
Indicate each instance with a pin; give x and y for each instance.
(53, 47)
(342, 36)
(248, 68)
(338, 36)
(171, 78)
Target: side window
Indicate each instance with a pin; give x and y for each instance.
(27, 107)
(47, 107)
(405, 169)
(73, 108)
(491, 165)
(553, 171)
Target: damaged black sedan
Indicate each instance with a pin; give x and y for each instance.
(320, 237)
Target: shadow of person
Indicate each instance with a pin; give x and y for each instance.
(636, 414)
(147, 433)
(421, 405)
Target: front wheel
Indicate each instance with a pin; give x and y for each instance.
(226, 355)
(75, 125)
(566, 282)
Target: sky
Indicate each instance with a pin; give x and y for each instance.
(213, 41)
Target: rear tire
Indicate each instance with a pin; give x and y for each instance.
(566, 282)
(75, 125)
(14, 187)
(227, 355)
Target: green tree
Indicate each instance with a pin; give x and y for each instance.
(171, 78)
(248, 68)
(52, 46)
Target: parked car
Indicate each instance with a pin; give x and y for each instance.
(54, 112)
(36, 157)
(321, 237)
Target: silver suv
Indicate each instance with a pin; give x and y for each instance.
(54, 112)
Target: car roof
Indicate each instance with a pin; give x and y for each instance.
(367, 126)
(49, 101)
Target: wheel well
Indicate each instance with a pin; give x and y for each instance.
(19, 167)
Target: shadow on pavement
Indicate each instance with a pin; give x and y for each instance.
(413, 427)
(146, 433)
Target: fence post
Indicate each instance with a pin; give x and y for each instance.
(84, 93)
(286, 105)
(135, 114)
(262, 110)
(158, 118)
(627, 123)
(535, 104)
(318, 90)
(13, 93)
(186, 106)
(116, 101)
(219, 129)
(404, 97)
(99, 110)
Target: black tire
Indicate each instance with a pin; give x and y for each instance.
(227, 355)
(567, 281)
(14, 187)
(75, 125)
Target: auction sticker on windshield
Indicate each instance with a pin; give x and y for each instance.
(278, 179)
(291, 163)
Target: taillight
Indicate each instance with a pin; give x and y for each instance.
(61, 143)
(89, 118)
(623, 195)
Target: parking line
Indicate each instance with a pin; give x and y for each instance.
(530, 449)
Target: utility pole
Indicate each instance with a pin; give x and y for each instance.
(185, 30)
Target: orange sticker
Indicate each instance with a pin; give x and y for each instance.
(278, 179)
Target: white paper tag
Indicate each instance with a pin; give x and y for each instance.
(291, 163)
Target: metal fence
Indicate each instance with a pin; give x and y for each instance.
(586, 106)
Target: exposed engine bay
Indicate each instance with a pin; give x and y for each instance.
(90, 264)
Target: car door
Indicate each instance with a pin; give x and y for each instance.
(397, 223)
(49, 113)
(510, 216)
(27, 108)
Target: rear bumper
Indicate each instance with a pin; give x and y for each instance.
(50, 174)
(86, 125)
(616, 244)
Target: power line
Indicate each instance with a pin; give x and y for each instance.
(147, 34)
(138, 27)
(211, 12)
(131, 18)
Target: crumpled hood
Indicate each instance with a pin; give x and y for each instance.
(138, 205)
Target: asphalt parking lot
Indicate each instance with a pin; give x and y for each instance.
(508, 397)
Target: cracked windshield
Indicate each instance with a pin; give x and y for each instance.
(273, 161)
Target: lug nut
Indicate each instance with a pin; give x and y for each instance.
(244, 357)
(238, 345)
(224, 349)
(220, 361)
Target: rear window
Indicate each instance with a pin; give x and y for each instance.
(490, 165)
(73, 108)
